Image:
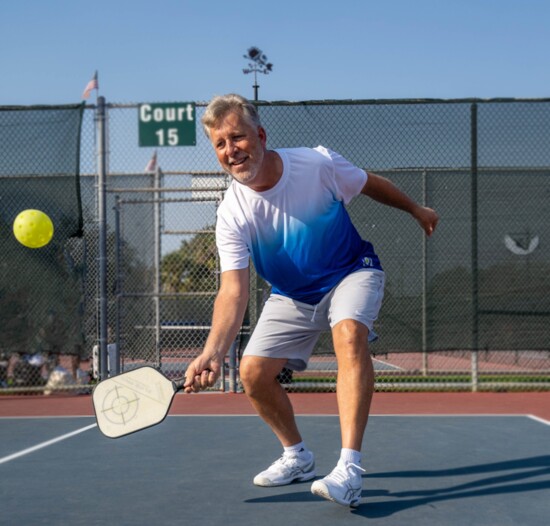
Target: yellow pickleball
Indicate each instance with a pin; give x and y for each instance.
(33, 228)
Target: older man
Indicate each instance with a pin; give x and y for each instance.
(285, 209)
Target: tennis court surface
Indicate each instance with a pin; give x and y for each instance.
(431, 458)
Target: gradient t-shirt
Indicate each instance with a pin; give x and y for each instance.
(298, 233)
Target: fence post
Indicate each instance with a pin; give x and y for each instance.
(474, 233)
(118, 284)
(102, 237)
(232, 368)
(157, 259)
(424, 283)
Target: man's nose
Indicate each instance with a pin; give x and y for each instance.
(230, 148)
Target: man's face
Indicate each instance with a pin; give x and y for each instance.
(240, 147)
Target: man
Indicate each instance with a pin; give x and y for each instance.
(285, 210)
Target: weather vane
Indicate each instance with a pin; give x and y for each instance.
(257, 64)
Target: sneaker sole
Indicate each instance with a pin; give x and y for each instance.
(319, 489)
(266, 483)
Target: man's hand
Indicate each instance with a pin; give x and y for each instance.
(202, 373)
(427, 218)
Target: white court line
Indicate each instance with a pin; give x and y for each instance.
(390, 415)
(45, 444)
(539, 419)
(378, 415)
(386, 366)
(81, 430)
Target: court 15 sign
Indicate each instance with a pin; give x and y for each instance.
(167, 124)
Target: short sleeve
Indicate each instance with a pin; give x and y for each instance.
(349, 180)
(232, 249)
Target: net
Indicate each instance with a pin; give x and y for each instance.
(42, 289)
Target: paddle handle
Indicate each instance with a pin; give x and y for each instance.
(179, 383)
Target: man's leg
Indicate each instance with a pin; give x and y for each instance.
(259, 378)
(355, 383)
(355, 305)
(354, 387)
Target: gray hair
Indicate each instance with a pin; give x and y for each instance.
(221, 105)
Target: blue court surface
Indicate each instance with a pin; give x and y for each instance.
(421, 470)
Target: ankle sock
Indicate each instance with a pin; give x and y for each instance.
(299, 450)
(350, 455)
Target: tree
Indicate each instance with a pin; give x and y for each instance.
(193, 267)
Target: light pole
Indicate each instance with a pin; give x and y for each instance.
(257, 64)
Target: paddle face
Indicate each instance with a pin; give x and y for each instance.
(132, 401)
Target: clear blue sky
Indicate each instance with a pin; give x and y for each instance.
(180, 50)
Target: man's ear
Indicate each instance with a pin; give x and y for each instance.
(262, 135)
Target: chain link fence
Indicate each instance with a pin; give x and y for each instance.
(467, 309)
(41, 289)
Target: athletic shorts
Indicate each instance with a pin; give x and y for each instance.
(289, 329)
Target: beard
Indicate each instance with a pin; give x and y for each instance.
(249, 170)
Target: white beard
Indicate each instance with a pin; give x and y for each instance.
(247, 176)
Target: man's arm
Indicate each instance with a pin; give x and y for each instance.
(384, 191)
(227, 318)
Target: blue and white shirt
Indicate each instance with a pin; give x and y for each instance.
(298, 233)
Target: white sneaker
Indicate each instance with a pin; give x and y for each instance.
(342, 485)
(287, 469)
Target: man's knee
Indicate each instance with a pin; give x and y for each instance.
(248, 372)
(255, 372)
(351, 342)
(350, 333)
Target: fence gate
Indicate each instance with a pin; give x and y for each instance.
(166, 273)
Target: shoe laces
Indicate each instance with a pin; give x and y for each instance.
(343, 471)
(286, 462)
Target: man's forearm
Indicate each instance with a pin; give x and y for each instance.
(227, 318)
(384, 191)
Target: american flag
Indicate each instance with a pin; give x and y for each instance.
(152, 164)
(92, 85)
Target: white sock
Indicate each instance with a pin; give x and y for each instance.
(299, 450)
(350, 455)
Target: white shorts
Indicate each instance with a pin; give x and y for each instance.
(289, 329)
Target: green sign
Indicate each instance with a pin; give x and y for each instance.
(167, 124)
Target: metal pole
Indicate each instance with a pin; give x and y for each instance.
(254, 302)
(255, 85)
(119, 274)
(157, 260)
(102, 226)
(475, 263)
(424, 284)
(232, 368)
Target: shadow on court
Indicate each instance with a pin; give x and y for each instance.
(192, 469)
(517, 481)
(520, 476)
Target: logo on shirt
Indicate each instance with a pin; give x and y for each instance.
(367, 262)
